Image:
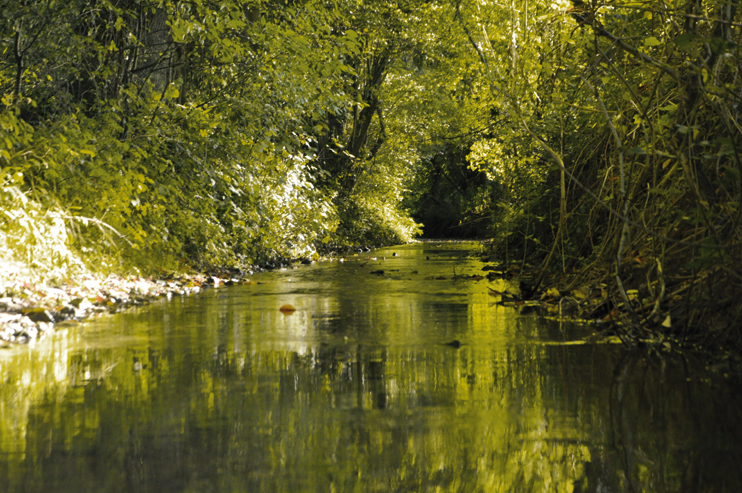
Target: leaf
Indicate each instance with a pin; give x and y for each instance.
(287, 309)
(652, 41)
(172, 92)
(720, 46)
(686, 42)
(581, 293)
(551, 293)
(732, 171)
(658, 191)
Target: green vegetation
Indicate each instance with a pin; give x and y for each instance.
(598, 144)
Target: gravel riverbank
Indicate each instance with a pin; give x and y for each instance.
(29, 311)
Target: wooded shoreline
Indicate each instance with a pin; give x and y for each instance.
(598, 145)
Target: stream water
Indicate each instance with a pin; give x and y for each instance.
(357, 391)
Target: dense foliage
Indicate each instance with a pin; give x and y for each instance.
(598, 141)
(190, 129)
(620, 133)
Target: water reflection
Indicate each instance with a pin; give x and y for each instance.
(356, 392)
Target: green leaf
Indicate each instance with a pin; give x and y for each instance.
(172, 92)
(686, 42)
(732, 171)
(720, 46)
(657, 191)
(652, 41)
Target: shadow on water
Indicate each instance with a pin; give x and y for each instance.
(357, 391)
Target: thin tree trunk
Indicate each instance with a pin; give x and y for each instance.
(19, 65)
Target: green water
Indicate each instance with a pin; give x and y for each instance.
(355, 391)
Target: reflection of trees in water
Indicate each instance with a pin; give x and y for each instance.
(225, 415)
(670, 431)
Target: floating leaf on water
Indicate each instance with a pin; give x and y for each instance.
(287, 309)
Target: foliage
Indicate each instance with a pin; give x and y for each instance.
(218, 134)
(32, 237)
(634, 105)
(179, 125)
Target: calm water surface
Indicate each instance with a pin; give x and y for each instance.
(356, 391)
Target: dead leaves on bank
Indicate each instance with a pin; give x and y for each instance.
(586, 303)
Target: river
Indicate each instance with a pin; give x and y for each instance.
(357, 391)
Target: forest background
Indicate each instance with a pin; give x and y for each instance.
(597, 144)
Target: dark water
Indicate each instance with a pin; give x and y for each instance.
(355, 391)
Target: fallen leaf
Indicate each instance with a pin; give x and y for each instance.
(581, 293)
(550, 293)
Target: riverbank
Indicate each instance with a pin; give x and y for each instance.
(654, 312)
(29, 309)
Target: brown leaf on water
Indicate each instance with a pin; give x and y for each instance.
(287, 309)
